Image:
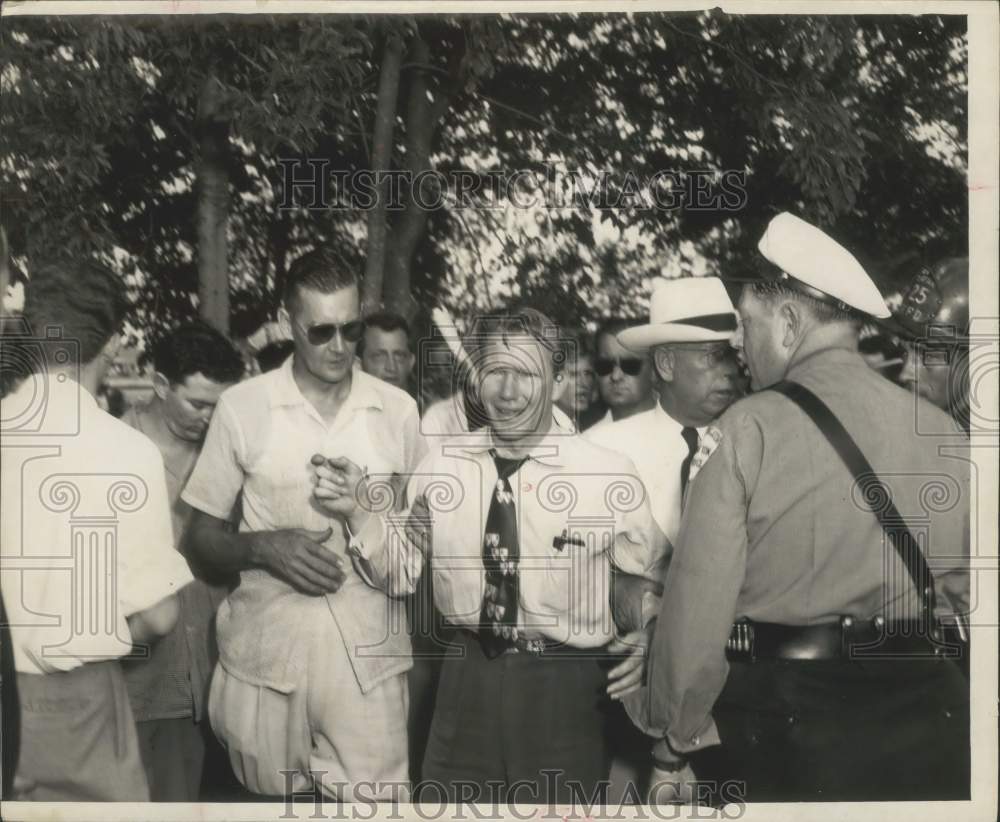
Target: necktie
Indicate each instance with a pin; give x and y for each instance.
(501, 554)
(691, 438)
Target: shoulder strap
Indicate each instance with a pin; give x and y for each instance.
(873, 490)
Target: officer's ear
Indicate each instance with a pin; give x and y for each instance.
(792, 319)
(663, 362)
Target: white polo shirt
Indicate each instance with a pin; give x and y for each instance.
(85, 535)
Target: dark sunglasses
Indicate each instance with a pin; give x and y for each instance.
(629, 365)
(324, 332)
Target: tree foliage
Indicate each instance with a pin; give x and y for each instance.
(855, 122)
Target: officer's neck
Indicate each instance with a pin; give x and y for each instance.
(823, 337)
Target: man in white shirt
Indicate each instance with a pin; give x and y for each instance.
(310, 689)
(89, 567)
(528, 524)
(687, 339)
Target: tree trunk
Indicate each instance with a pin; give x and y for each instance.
(422, 118)
(213, 206)
(381, 160)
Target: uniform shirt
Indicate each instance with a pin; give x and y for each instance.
(86, 535)
(173, 682)
(653, 441)
(260, 440)
(774, 530)
(568, 488)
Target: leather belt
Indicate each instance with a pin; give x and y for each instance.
(847, 639)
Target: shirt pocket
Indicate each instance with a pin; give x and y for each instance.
(564, 552)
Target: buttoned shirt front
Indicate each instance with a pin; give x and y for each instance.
(260, 441)
(580, 510)
(86, 531)
(774, 529)
(653, 441)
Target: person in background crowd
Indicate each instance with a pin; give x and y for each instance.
(111, 400)
(579, 400)
(828, 686)
(193, 365)
(532, 618)
(385, 349)
(64, 463)
(881, 351)
(625, 380)
(273, 354)
(295, 698)
(933, 319)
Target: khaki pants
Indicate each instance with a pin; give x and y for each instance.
(78, 738)
(326, 728)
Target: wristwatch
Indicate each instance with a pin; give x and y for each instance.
(666, 758)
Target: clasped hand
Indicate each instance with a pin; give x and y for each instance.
(340, 487)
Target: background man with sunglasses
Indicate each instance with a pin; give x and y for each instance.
(295, 697)
(625, 380)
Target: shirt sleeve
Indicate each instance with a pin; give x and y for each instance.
(640, 548)
(218, 475)
(687, 665)
(149, 566)
(389, 551)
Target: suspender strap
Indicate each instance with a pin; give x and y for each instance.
(873, 490)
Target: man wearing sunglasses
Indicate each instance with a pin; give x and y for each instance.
(295, 698)
(624, 379)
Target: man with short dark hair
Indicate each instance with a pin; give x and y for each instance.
(193, 364)
(86, 541)
(528, 522)
(300, 697)
(798, 655)
(624, 379)
(385, 349)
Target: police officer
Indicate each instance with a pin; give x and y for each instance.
(933, 320)
(827, 687)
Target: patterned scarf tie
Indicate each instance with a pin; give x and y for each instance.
(501, 554)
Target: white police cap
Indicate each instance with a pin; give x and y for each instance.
(809, 257)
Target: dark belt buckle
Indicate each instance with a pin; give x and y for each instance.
(741, 646)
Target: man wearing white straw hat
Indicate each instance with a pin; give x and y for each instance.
(806, 642)
(691, 323)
